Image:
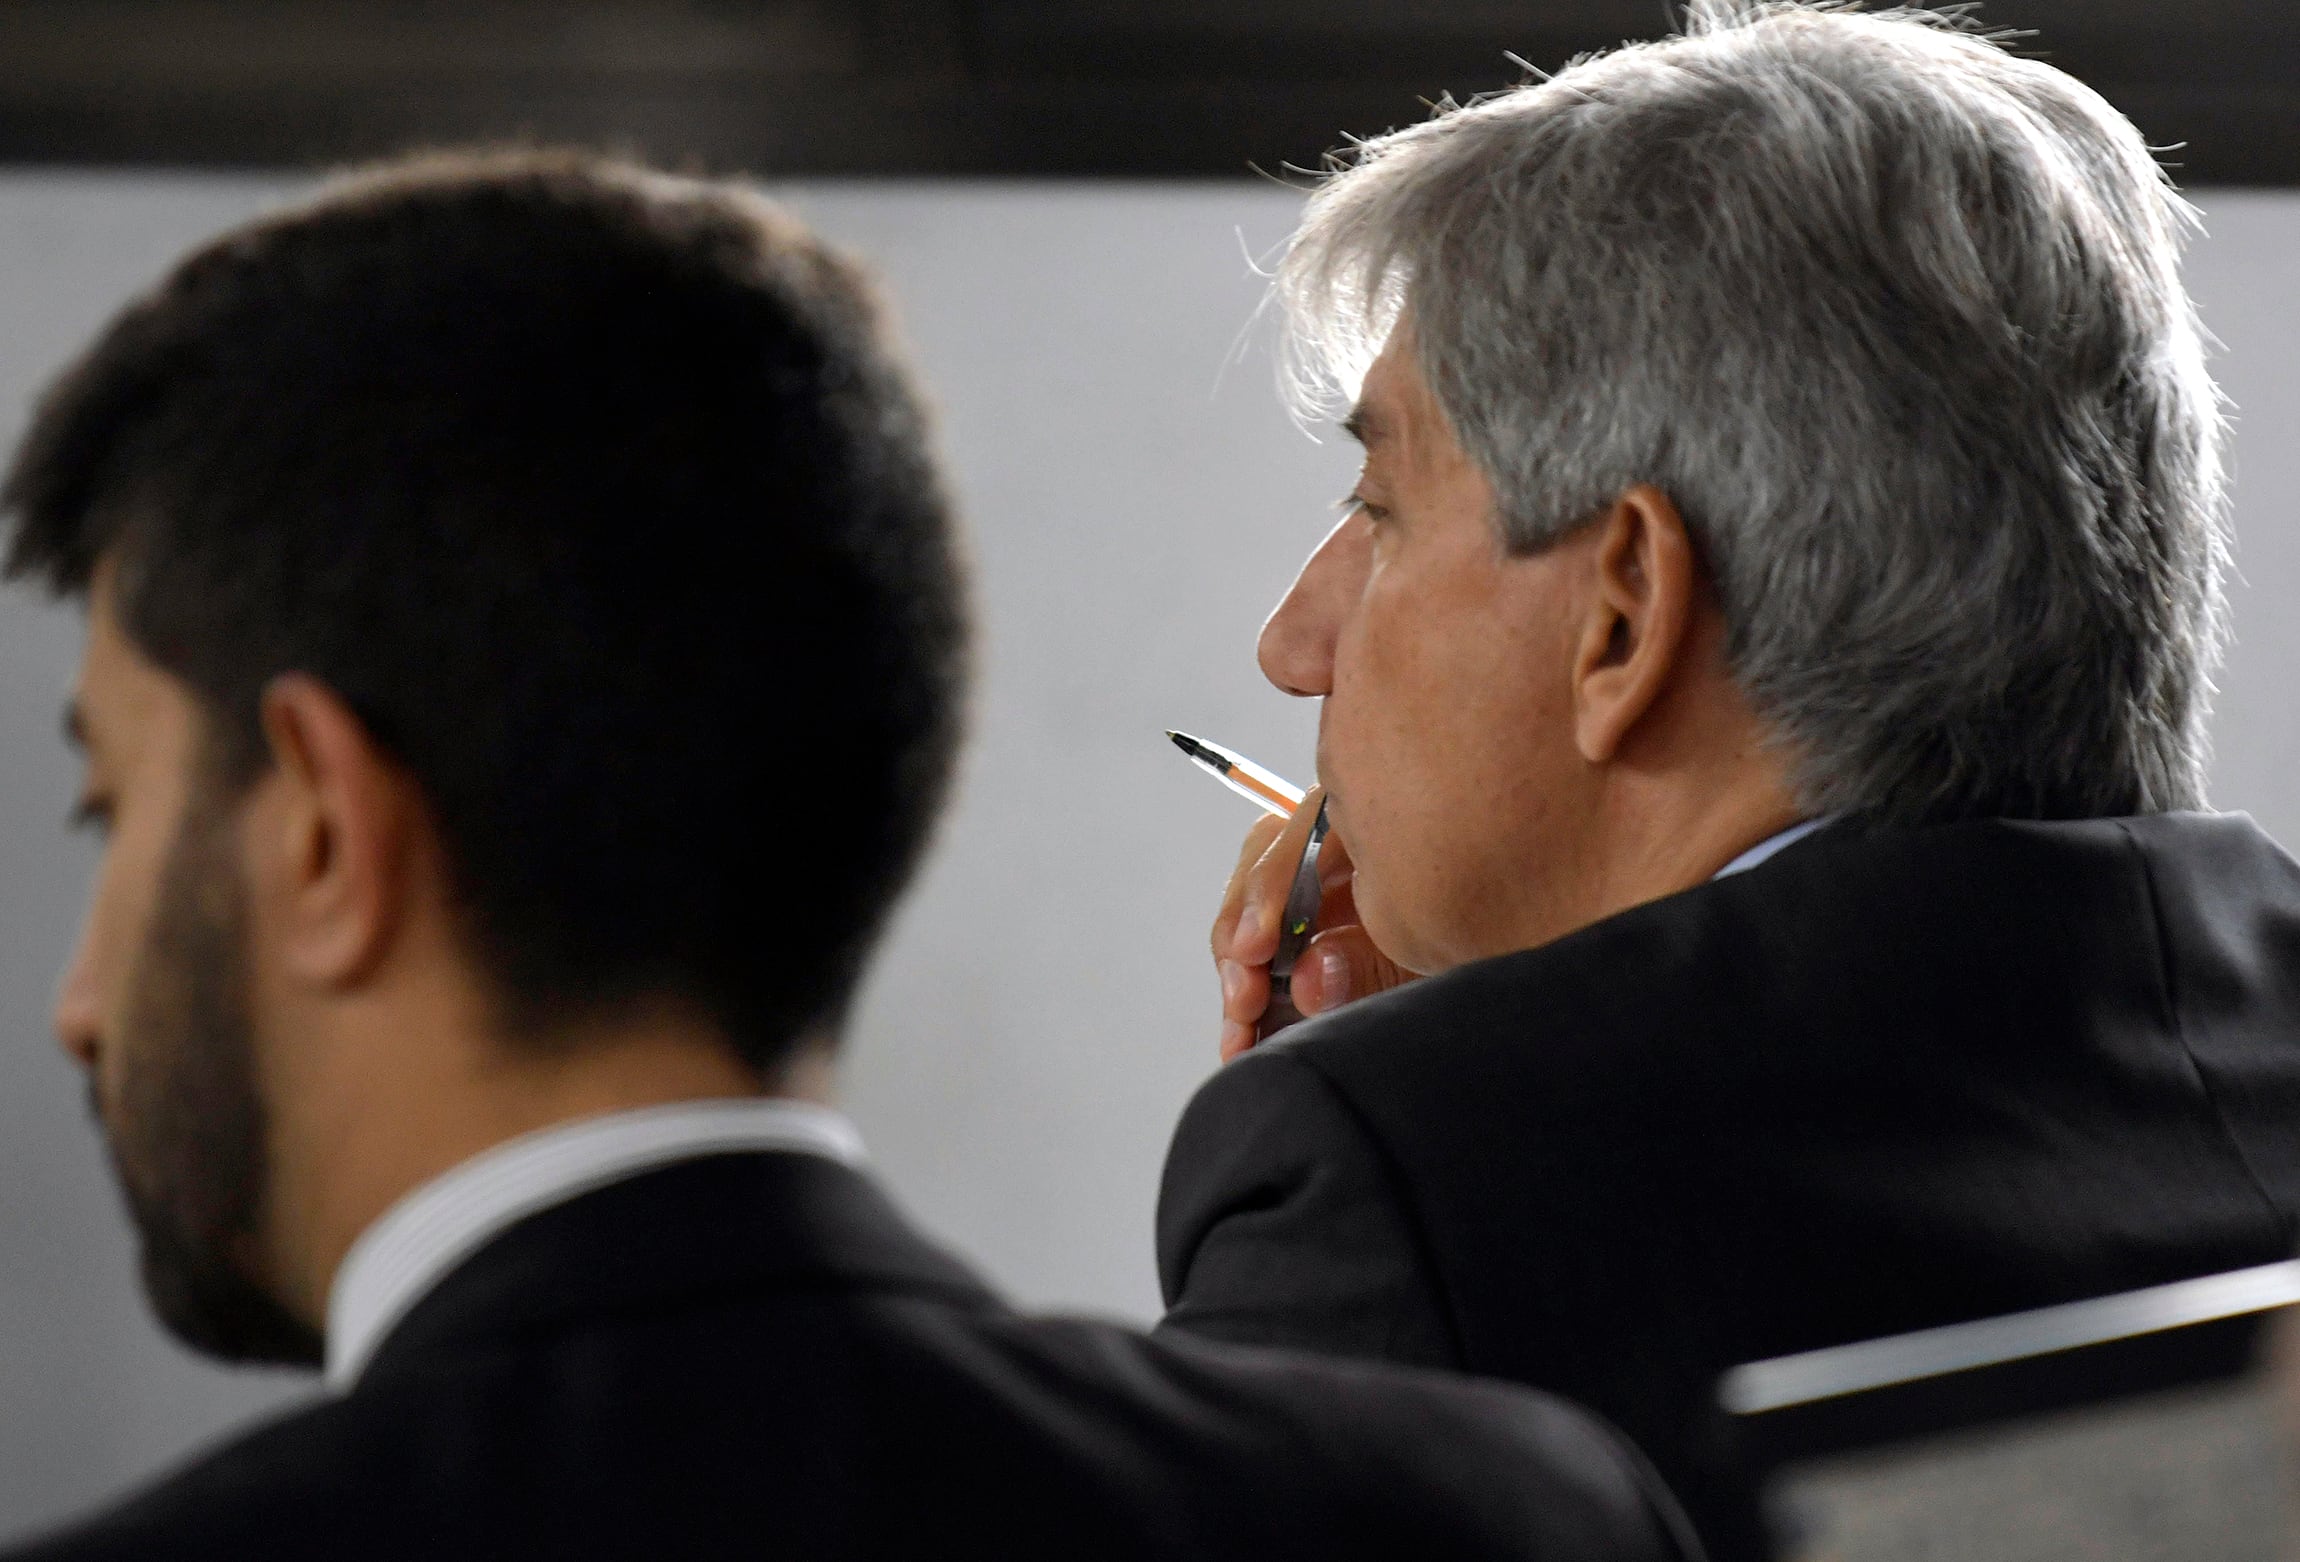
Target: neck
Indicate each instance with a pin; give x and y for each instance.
(383, 1109)
(1702, 782)
(1670, 849)
(1652, 835)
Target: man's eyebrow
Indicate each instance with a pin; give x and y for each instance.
(1363, 424)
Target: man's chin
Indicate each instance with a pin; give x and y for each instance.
(1388, 933)
(221, 1314)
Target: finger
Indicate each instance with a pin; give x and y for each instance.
(1245, 992)
(1258, 840)
(1267, 882)
(1340, 965)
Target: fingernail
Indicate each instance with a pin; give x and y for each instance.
(1233, 982)
(1249, 927)
(1333, 979)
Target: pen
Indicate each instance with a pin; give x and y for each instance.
(1297, 923)
(1274, 793)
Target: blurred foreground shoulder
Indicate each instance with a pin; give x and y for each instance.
(1223, 1451)
(303, 1485)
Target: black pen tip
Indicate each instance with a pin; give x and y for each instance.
(1183, 741)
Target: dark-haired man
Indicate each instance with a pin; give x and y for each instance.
(468, 556)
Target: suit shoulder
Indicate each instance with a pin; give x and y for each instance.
(612, 1436)
(1274, 1103)
(1264, 1133)
(1267, 1154)
(1220, 1451)
(921, 1423)
(281, 1489)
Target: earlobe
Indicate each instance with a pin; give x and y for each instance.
(1644, 577)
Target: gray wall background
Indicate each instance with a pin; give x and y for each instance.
(1043, 1008)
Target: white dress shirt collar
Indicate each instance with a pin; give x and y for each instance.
(414, 1244)
(1771, 844)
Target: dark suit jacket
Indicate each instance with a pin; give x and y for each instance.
(750, 1356)
(1888, 1079)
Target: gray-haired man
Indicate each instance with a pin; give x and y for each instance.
(1764, 678)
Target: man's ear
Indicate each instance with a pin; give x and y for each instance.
(1645, 581)
(337, 834)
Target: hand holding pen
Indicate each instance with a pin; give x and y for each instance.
(1340, 962)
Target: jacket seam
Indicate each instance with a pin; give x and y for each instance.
(2174, 1022)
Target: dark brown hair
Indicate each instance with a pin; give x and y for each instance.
(601, 498)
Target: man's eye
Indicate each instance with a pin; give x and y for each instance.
(1354, 502)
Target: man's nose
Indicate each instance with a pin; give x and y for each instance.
(1297, 645)
(78, 1016)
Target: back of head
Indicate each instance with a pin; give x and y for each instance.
(602, 500)
(1894, 316)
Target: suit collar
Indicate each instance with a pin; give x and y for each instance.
(425, 1235)
(1774, 844)
(742, 1222)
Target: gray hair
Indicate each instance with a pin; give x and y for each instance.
(1894, 317)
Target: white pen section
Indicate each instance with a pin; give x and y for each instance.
(1270, 780)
